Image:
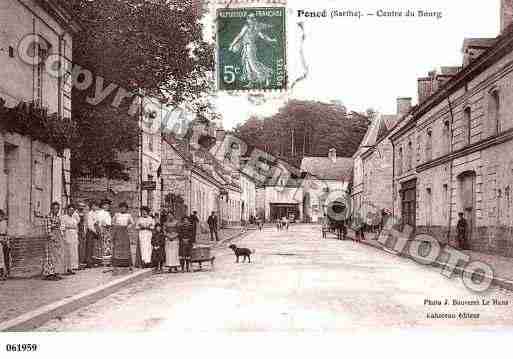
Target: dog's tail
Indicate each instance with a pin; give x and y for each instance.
(253, 251)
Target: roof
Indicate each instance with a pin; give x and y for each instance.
(482, 42)
(378, 129)
(324, 168)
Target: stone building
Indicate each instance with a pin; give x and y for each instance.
(373, 169)
(227, 150)
(142, 184)
(324, 177)
(194, 180)
(32, 173)
(452, 152)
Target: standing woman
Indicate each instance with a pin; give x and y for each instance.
(104, 219)
(171, 246)
(92, 235)
(145, 225)
(70, 225)
(4, 267)
(121, 256)
(53, 260)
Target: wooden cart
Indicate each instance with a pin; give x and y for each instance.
(201, 254)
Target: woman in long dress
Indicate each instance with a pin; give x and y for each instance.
(70, 224)
(145, 225)
(104, 219)
(172, 244)
(3, 240)
(253, 70)
(53, 260)
(121, 255)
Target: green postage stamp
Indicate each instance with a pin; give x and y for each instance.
(251, 49)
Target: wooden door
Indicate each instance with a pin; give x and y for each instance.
(468, 200)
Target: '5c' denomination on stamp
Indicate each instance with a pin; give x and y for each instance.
(251, 49)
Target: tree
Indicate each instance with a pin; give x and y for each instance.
(305, 128)
(154, 47)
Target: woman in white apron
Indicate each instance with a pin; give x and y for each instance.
(172, 243)
(145, 225)
(70, 223)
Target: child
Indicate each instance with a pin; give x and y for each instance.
(4, 257)
(158, 242)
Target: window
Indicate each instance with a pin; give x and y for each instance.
(150, 143)
(494, 112)
(429, 207)
(445, 200)
(447, 136)
(429, 145)
(467, 124)
(43, 49)
(410, 156)
(400, 162)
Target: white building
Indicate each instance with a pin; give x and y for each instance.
(32, 173)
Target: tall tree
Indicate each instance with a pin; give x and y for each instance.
(306, 128)
(153, 46)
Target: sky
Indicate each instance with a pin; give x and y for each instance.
(369, 62)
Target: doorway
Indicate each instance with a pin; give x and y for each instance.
(467, 181)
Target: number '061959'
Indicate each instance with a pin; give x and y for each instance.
(21, 347)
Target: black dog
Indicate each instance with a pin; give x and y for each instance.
(241, 252)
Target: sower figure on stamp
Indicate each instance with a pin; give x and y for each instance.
(254, 71)
(461, 229)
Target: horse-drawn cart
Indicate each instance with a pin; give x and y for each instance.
(201, 254)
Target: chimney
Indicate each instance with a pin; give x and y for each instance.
(197, 131)
(332, 155)
(506, 14)
(403, 105)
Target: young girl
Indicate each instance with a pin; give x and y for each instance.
(3, 247)
(158, 254)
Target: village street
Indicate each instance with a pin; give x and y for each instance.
(296, 282)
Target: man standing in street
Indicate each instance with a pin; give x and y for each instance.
(195, 222)
(212, 225)
(461, 229)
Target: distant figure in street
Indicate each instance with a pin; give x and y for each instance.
(258, 221)
(461, 229)
(70, 223)
(172, 243)
(278, 224)
(185, 238)
(213, 226)
(158, 254)
(145, 225)
(195, 221)
(121, 253)
(53, 258)
(4, 259)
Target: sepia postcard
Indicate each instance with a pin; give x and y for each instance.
(202, 176)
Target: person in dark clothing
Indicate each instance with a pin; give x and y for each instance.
(213, 226)
(158, 254)
(195, 222)
(461, 230)
(185, 243)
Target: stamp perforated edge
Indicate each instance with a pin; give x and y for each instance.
(235, 4)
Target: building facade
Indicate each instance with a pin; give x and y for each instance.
(453, 151)
(324, 178)
(33, 174)
(142, 186)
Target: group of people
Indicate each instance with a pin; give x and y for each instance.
(88, 236)
(282, 223)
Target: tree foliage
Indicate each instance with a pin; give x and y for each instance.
(154, 46)
(306, 128)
